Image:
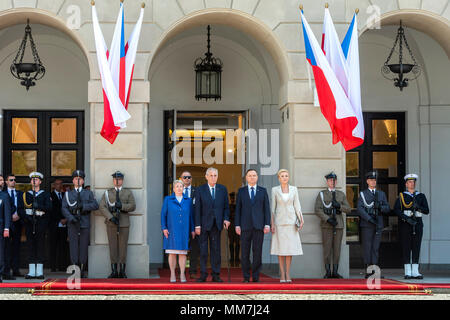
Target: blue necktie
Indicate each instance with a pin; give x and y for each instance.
(252, 193)
(186, 192)
(213, 194)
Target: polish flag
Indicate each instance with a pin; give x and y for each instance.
(350, 48)
(116, 69)
(334, 103)
(346, 70)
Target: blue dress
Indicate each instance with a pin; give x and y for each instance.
(178, 218)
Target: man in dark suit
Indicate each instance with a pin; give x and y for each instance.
(194, 254)
(5, 222)
(59, 247)
(252, 222)
(372, 203)
(212, 212)
(12, 245)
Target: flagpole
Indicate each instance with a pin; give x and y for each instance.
(356, 10)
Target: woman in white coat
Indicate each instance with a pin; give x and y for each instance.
(287, 221)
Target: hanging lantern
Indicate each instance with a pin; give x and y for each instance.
(28, 72)
(396, 72)
(208, 72)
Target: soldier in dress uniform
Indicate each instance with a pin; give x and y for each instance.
(331, 204)
(38, 205)
(115, 205)
(77, 205)
(409, 207)
(372, 203)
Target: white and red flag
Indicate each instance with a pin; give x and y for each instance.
(116, 70)
(344, 60)
(334, 103)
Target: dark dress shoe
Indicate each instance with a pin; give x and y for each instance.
(216, 279)
(408, 277)
(246, 281)
(17, 274)
(201, 279)
(256, 280)
(27, 276)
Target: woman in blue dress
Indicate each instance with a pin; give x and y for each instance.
(177, 224)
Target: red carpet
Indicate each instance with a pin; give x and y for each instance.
(267, 285)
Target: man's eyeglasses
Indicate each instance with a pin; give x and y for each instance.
(187, 177)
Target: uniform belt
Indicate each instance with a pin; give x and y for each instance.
(409, 213)
(37, 213)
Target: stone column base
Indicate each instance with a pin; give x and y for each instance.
(137, 262)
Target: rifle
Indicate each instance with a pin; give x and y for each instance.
(34, 211)
(333, 209)
(414, 213)
(376, 212)
(117, 210)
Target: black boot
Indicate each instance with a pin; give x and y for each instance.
(122, 273)
(328, 271)
(367, 274)
(114, 273)
(83, 271)
(335, 272)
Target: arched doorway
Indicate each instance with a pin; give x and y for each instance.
(45, 129)
(59, 99)
(402, 127)
(254, 84)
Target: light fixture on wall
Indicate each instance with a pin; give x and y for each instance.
(28, 72)
(208, 75)
(396, 72)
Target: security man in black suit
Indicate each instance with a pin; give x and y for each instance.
(12, 245)
(409, 207)
(5, 223)
(59, 247)
(194, 254)
(252, 222)
(212, 213)
(372, 203)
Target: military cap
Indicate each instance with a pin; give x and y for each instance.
(118, 175)
(411, 176)
(78, 173)
(371, 175)
(331, 175)
(36, 174)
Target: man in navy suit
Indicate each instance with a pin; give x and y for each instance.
(12, 245)
(252, 222)
(212, 212)
(194, 254)
(5, 222)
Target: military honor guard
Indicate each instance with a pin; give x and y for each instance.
(409, 207)
(38, 206)
(372, 203)
(76, 208)
(115, 205)
(331, 206)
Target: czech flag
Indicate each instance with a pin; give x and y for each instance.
(334, 103)
(116, 70)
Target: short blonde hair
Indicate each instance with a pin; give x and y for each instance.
(177, 182)
(281, 171)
